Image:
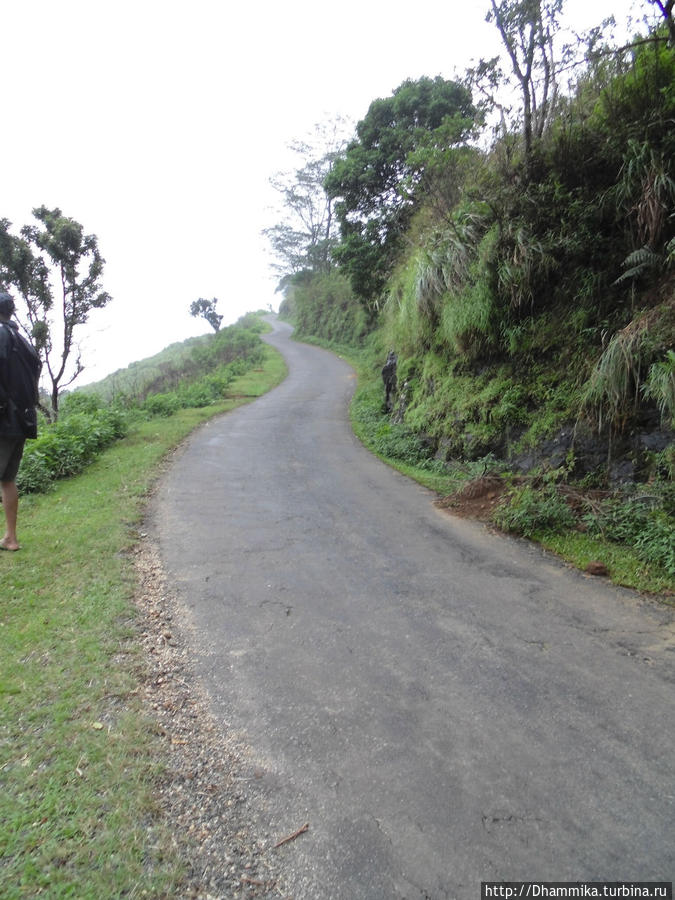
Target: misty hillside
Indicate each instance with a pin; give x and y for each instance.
(523, 275)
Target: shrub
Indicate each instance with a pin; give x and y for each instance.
(656, 541)
(67, 446)
(35, 475)
(528, 511)
(394, 442)
(252, 322)
(164, 404)
(646, 522)
(397, 442)
(80, 402)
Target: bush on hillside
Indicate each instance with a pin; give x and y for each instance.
(186, 361)
(324, 306)
(68, 446)
(164, 404)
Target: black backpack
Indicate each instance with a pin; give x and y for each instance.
(22, 372)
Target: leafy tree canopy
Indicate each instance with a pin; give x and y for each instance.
(54, 258)
(207, 310)
(377, 180)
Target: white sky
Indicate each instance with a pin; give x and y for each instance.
(156, 124)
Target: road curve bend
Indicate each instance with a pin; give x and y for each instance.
(442, 705)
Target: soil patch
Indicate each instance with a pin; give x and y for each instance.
(476, 500)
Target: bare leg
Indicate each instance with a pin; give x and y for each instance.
(10, 504)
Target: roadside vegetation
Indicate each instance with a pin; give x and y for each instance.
(78, 760)
(194, 374)
(523, 273)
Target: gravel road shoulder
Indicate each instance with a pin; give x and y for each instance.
(202, 791)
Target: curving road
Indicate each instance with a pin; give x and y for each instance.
(442, 705)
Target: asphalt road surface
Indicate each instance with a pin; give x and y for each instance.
(442, 705)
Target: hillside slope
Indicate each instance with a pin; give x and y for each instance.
(531, 308)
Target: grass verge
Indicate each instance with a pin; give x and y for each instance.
(625, 567)
(77, 757)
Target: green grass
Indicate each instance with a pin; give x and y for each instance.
(624, 565)
(77, 758)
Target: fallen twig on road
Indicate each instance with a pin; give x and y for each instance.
(292, 837)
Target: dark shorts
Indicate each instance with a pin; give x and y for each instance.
(11, 451)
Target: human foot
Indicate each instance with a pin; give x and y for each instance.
(6, 544)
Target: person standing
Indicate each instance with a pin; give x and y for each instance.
(19, 374)
(389, 378)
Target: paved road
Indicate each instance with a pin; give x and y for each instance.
(442, 705)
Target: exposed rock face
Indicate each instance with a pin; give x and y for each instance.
(402, 404)
(625, 458)
(577, 447)
(587, 450)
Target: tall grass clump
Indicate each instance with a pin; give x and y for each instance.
(629, 370)
(467, 318)
(403, 323)
(450, 251)
(527, 511)
(660, 387)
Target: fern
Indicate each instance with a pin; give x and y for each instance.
(640, 261)
(613, 391)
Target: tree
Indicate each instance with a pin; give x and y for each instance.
(537, 60)
(305, 236)
(207, 310)
(54, 252)
(527, 29)
(377, 182)
(667, 8)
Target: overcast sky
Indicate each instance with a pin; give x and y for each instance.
(157, 125)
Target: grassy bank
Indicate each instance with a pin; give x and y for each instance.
(77, 758)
